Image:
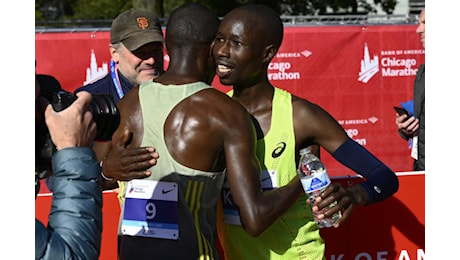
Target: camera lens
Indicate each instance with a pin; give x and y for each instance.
(105, 115)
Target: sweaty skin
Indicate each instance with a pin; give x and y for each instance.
(196, 133)
(209, 130)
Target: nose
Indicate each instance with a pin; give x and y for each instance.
(420, 28)
(221, 49)
(149, 60)
(150, 57)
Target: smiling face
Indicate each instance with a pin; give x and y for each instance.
(140, 65)
(239, 49)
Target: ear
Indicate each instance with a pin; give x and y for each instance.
(269, 53)
(212, 47)
(114, 53)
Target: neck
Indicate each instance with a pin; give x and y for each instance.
(255, 98)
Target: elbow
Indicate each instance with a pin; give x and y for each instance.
(254, 234)
(395, 186)
(254, 225)
(253, 229)
(391, 184)
(381, 186)
(396, 183)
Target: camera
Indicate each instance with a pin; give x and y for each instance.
(105, 114)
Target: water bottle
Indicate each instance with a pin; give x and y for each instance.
(315, 179)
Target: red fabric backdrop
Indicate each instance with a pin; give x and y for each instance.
(321, 64)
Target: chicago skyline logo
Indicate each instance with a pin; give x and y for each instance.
(93, 72)
(369, 66)
(392, 63)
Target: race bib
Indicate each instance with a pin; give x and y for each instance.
(150, 209)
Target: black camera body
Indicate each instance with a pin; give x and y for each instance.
(105, 114)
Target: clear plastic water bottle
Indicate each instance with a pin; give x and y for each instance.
(315, 179)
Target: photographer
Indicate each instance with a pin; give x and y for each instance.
(75, 220)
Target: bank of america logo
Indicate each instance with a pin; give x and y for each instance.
(369, 67)
(306, 53)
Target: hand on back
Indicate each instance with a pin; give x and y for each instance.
(125, 164)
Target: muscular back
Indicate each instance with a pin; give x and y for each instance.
(198, 130)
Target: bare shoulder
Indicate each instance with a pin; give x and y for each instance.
(218, 104)
(129, 98)
(210, 111)
(204, 125)
(303, 108)
(313, 124)
(130, 114)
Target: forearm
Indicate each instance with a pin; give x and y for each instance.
(101, 149)
(270, 206)
(381, 182)
(109, 184)
(77, 201)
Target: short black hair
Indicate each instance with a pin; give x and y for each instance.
(271, 21)
(191, 23)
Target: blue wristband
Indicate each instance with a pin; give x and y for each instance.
(381, 182)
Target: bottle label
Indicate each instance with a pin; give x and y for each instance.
(316, 182)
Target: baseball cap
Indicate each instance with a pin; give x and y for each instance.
(135, 28)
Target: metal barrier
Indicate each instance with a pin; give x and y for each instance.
(307, 20)
(349, 19)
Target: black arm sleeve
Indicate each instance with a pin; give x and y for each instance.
(381, 182)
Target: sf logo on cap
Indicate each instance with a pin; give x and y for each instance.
(143, 22)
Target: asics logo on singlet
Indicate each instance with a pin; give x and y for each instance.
(279, 149)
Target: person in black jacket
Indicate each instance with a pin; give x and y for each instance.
(414, 126)
(136, 48)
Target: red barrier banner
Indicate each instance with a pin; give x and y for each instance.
(389, 230)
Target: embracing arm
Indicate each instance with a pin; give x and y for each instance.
(258, 209)
(101, 149)
(125, 160)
